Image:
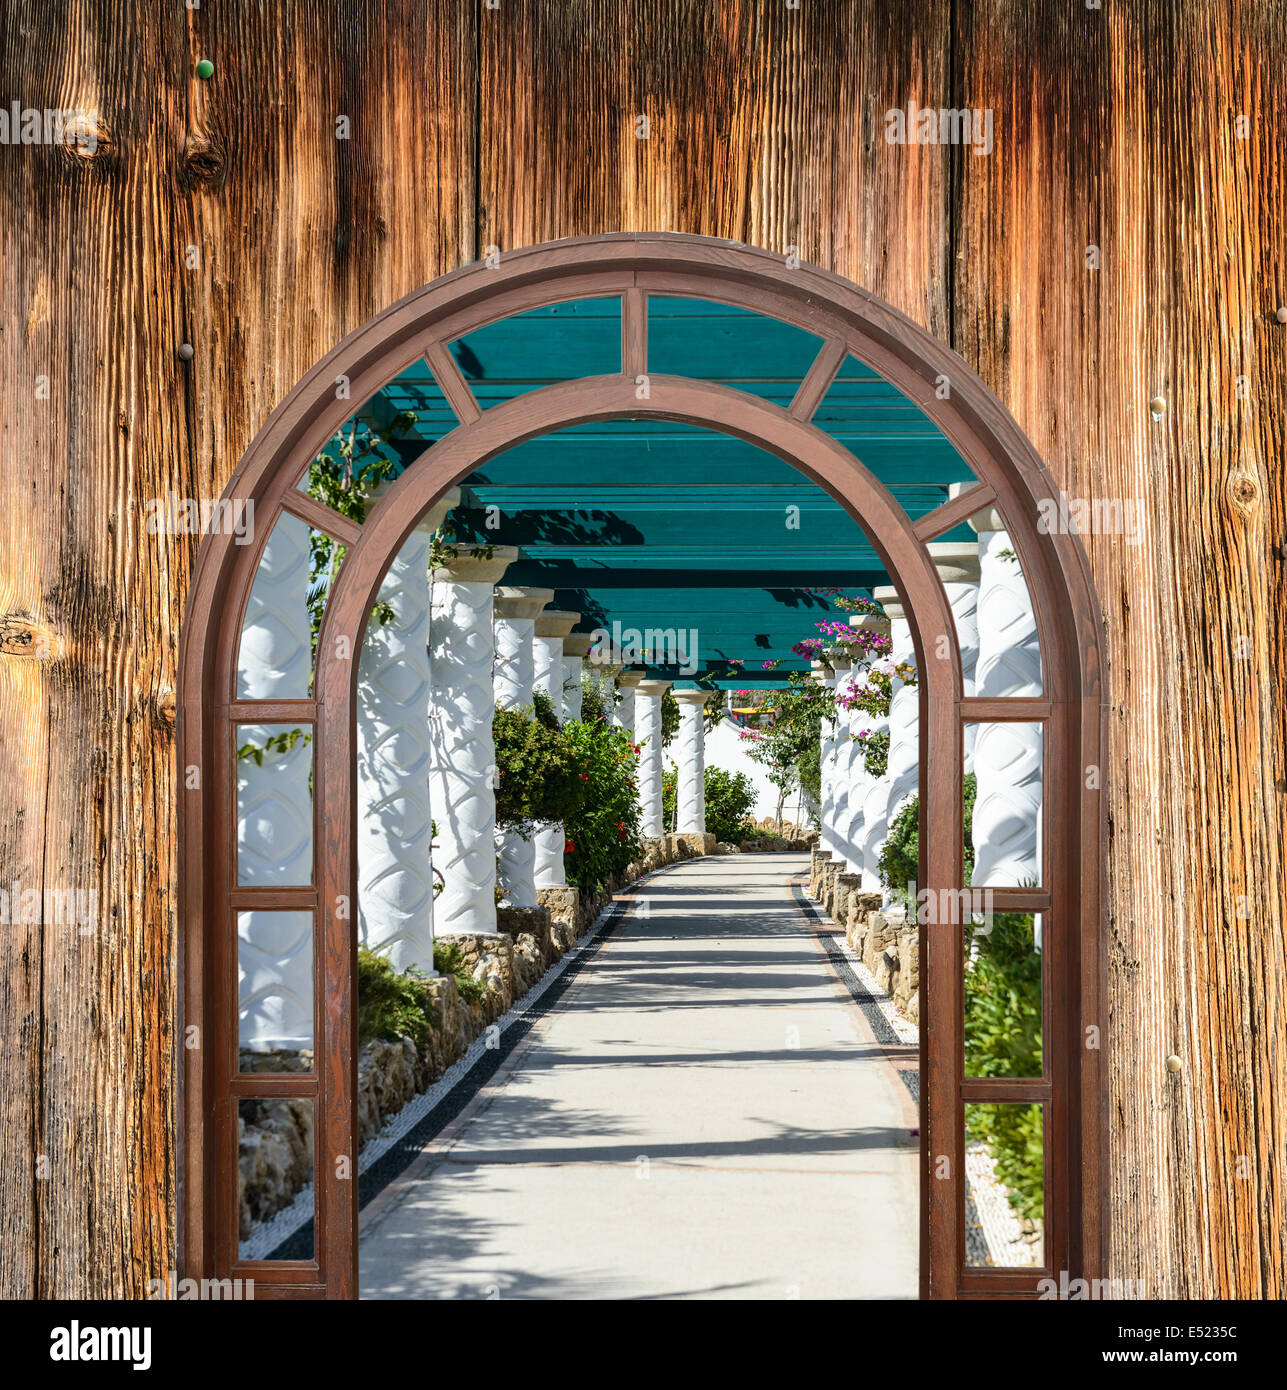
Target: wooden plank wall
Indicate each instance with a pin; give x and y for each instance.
(1115, 127)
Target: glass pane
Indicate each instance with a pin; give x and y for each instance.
(274, 805)
(1003, 805)
(1009, 656)
(379, 440)
(275, 1178)
(275, 991)
(1005, 1170)
(892, 436)
(287, 600)
(559, 343)
(1003, 1007)
(715, 342)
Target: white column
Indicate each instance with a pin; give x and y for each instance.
(623, 713)
(822, 673)
(1007, 757)
(958, 567)
(860, 779)
(462, 755)
(876, 802)
(903, 771)
(691, 774)
(551, 629)
(394, 832)
(514, 619)
(274, 803)
(648, 697)
(576, 647)
(838, 659)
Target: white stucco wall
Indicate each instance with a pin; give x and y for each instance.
(725, 749)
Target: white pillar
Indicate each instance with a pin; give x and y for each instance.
(647, 732)
(822, 673)
(1007, 757)
(514, 613)
(623, 713)
(274, 803)
(690, 790)
(841, 749)
(860, 779)
(394, 831)
(576, 647)
(462, 755)
(903, 771)
(957, 563)
(876, 801)
(547, 676)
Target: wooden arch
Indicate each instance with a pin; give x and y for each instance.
(1071, 710)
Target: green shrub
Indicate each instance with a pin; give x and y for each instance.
(594, 708)
(1002, 996)
(396, 1003)
(898, 862)
(391, 1003)
(447, 961)
(1013, 1135)
(544, 712)
(1003, 1038)
(538, 777)
(730, 797)
(603, 834)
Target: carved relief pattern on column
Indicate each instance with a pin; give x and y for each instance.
(274, 801)
(859, 781)
(691, 769)
(274, 658)
(548, 840)
(904, 726)
(275, 980)
(826, 782)
(1007, 757)
(513, 670)
(648, 733)
(964, 599)
(513, 686)
(571, 687)
(462, 755)
(623, 714)
(840, 747)
(394, 848)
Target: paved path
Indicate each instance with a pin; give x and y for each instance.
(704, 1114)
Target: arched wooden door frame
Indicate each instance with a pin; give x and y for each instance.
(1071, 708)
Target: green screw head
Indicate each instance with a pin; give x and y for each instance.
(205, 68)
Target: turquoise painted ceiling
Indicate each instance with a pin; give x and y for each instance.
(660, 525)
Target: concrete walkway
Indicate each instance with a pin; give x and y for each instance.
(704, 1114)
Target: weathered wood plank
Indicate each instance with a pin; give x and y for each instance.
(764, 124)
(300, 236)
(1117, 130)
(1112, 127)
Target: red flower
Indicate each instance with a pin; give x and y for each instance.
(583, 777)
(569, 847)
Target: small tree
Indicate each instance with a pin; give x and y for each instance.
(787, 745)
